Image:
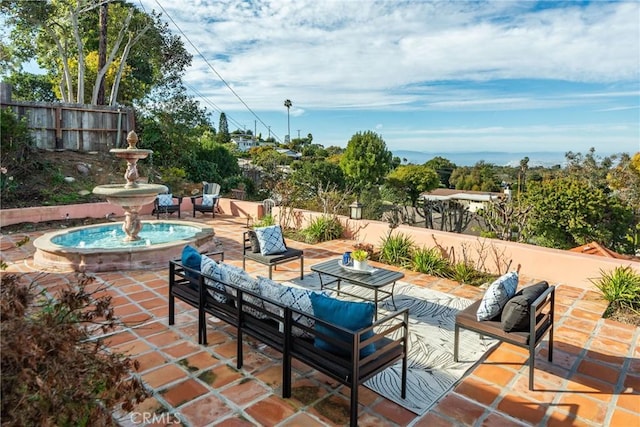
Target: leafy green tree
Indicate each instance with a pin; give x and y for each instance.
(313, 176)
(62, 35)
(223, 130)
(443, 167)
(171, 124)
(624, 179)
(31, 87)
(569, 211)
(366, 160)
(480, 177)
(412, 180)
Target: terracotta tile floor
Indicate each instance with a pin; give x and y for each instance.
(594, 379)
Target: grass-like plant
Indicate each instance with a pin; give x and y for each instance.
(397, 249)
(265, 221)
(322, 229)
(620, 287)
(430, 261)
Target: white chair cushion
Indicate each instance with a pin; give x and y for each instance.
(271, 241)
(208, 199)
(165, 199)
(497, 295)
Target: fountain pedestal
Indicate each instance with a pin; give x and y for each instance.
(131, 196)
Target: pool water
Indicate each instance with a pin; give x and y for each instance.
(111, 236)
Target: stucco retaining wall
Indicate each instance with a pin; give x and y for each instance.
(555, 266)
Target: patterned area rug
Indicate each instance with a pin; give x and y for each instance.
(431, 369)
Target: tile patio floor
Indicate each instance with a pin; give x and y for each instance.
(594, 379)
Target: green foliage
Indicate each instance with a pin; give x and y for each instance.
(568, 212)
(366, 160)
(265, 221)
(480, 177)
(322, 229)
(31, 87)
(54, 371)
(314, 176)
(174, 178)
(223, 136)
(397, 249)
(367, 247)
(359, 255)
(412, 180)
(463, 272)
(45, 31)
(443, 167)
(621, 286)
(430, 261)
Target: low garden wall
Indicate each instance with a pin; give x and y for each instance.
(554, 265)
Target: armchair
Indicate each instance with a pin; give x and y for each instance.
(166, 204)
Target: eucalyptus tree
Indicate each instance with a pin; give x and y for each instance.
(63, 37)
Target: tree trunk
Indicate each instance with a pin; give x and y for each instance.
(102, 52)
(76, 35)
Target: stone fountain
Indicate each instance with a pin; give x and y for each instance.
(133, 195)
(138, 245)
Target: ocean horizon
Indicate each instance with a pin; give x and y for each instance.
(498, 158)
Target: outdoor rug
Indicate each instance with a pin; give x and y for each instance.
(431, 371)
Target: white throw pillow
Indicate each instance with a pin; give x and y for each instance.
(271, 241)
(165, 199)
(238, 277)
(497, 295)
(208, 199)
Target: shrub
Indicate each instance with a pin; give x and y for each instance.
(620, 287)
(463, 272)
(322, 229)
(397, 250)
(430, 261)
(54, 371)
(265, 221)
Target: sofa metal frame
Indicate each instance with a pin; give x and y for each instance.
(390, 334)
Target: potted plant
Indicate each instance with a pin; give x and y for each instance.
(360, 259)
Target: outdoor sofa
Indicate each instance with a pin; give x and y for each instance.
(350, 357)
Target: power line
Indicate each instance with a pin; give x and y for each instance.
(215, 71)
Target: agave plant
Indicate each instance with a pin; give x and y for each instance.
(620, 286)
(397, 249)
(430, 261)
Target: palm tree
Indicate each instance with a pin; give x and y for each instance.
(288, 104)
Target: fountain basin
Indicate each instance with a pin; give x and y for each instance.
(101, 247)
(120, 195)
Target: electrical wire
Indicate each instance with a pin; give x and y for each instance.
(216, 72)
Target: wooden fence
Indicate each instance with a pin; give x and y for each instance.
(78, 127)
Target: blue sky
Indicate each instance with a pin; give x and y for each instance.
(450, 76)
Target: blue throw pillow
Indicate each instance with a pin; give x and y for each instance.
(191, 258)
(347, 314)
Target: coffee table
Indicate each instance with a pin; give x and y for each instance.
(332, 274)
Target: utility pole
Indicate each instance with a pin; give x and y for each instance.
(298, 133)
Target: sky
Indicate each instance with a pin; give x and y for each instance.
(431, 76)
